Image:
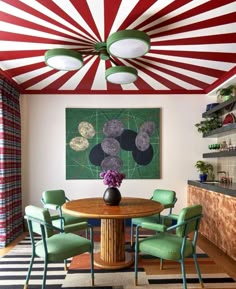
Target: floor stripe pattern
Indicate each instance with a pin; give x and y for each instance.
(14, 266)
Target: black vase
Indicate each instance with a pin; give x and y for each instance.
(112, 196)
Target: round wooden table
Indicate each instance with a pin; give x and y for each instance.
(112, 254)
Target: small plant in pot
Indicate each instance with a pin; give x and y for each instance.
(226, 93)
(204, 169)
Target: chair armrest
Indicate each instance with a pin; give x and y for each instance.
(44, 223)
(154, 227)
(173, 216)
(80, 226)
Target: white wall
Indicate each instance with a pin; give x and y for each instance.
(43, 144)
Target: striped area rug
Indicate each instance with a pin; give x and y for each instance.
(14, 265)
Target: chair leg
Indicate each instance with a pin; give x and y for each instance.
(161, 264)
(183, 274)
(131, 234)
(65, 265)
(136, 259)
(29, 272)
(92, 267)
(198, 270)
(44, 273)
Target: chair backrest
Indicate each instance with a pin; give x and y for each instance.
(166, 197)
(191, 215)
(56, 197)
(35, 217)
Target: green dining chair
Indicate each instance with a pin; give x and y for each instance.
(168, 199)
(53, 201)
(54, 247)
(172, 243)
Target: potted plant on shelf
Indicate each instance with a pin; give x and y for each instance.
(204, 169)
(209, 124)
(226, 93)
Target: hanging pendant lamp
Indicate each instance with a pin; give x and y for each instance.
(121, 44)
(64, 59)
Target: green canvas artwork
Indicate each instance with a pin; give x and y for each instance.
(125, 139)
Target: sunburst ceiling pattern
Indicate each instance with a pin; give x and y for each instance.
(193, 43)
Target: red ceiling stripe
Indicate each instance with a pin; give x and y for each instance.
(166, 82)
(87, 81)
(215, 56)
(55, 85)
(196, 68)
(36, 79)
(137, 11)
(127, 92)
(216, 21)
(209, 39)
(110, 12)
(85, 12)
(56, 9)
(26, 68)
(205, 7)
(10, 55)
(24, 23)
(8, 36)
(162, 13)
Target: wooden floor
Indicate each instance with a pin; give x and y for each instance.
(216, 254)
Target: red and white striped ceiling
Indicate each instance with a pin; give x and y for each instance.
(193, 43)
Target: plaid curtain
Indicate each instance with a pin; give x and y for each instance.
(11, 223)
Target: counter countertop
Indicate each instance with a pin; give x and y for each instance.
(227, 189)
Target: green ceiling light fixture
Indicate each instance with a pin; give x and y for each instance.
(64, 59)
(126, 44)
(121, 74)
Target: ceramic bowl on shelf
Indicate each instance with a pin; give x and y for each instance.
(211, 105)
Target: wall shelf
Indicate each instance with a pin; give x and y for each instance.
(222, 131)
(220, 107)
(219, 154)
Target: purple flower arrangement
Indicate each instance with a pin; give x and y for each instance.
(112, 178)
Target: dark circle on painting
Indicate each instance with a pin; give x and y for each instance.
(148, 127)
(111, 163)
(127, 139)
(97, 155)
(143, 157)
(111, 146)
(113, 128)
(142, 141)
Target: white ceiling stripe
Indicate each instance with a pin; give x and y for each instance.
(29, 75)
(11, 10)
(32, 32)
(47, 81)
(99, 81)
(21, 46)
(226, 47)
(197, 62)
(218, 30)
(157, 6)
(174, 13)
(124, 10)
(197, 18)
(75, 80)
(74, 14)
(14, 63)
(97, 11)
(192, 74)
(180, 82)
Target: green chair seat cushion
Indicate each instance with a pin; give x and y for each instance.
(165, 246)
(57, 251)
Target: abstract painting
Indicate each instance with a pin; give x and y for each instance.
(125, 139)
